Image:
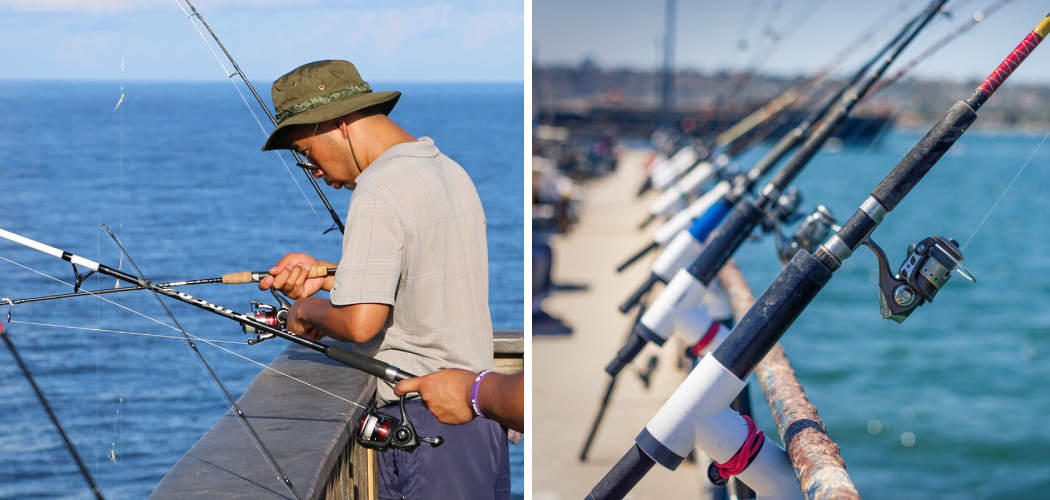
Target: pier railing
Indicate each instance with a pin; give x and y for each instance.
(818, 464)
(309, 432)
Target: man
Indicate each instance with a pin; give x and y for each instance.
(412, 283)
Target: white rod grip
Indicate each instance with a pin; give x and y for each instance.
(50, 250)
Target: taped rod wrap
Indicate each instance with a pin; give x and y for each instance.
(727, 238)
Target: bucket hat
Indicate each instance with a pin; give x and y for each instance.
(321, 91)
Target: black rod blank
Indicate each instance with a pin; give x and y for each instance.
(51, 414)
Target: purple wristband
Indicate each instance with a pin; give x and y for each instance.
(474, 395)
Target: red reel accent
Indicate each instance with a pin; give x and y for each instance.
(375, 427)
(382, 430)
(268, 317)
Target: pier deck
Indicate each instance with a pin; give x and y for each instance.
(569, 382)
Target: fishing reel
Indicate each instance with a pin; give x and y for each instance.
(810, 234)
(382, 432)
(784, 211)
(276, 317)
(925, 270)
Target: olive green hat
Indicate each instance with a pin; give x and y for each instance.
(321, 91)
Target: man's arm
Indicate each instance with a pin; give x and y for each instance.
(446, 393)
(316, 317)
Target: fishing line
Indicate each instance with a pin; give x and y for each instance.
(142, 334)
(281, 476)
(211, 342)
(746, 24)
(153, 335)
(334, 395)
(769, 32)
(98, 360)
(89, 293)
(229, 76)
(26, 418)
(1007, 189)
(760, 59)
(120, 340)
(842, 193)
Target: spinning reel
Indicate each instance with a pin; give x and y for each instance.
(274, 316)
(810, 234)
(813, 231)
(381, 432)
(784, 211)
(925, 270)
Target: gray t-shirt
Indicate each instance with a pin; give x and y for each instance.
(415, 239)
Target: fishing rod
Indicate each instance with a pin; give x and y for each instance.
(939, 44)
(350, 358)
(669, 172)
(685, 246)
(237, 278)
(235, 408)
(741, 127)
(685, 173)
(238, 72)
(694, 352)
(687, 249)
(605, 400)
(688, 418)
(669, 202)
(783, 147)
(677, 176)
(717, 124)
(375, 430)
(690, 284)
(51, 414)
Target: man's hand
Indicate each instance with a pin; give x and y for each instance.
(289, 276)
(446, 393)
(300, 322)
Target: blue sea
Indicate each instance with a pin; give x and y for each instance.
(176, 172)
(951, 403)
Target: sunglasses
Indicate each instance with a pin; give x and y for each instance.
(306, 164)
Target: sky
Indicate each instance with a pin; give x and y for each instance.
(412, 40)
(629, 34)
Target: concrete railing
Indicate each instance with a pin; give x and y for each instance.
(310, 433)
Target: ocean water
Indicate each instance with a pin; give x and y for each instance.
(176, 172)
(951, 403)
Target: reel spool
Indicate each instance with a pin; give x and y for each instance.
(785, 211)
(925, 271)
(813, 231)
(276, 317)
(382, 432)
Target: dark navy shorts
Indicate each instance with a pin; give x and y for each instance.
(472, 463)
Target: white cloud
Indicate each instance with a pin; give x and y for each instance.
(481, 27)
